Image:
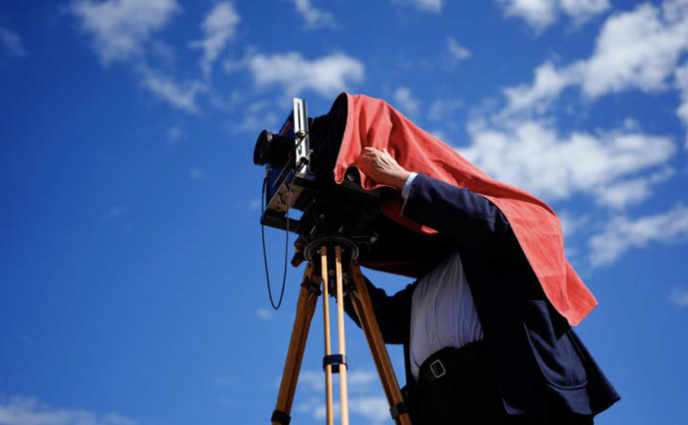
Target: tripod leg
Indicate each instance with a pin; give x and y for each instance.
(366, 316)
(305, 308)
(328, 345)
(343, 391)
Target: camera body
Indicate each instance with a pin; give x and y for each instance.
(329, 209)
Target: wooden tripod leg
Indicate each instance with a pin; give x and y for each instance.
(366, 316)
(328, 345)
(305, 308)
(343, 391)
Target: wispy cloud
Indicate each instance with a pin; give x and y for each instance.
(120, 28)
(623, 233)
(28, 411)
(444, 109)
(366, 401)
(404, 100)
(635, 50)
(180, 95)
(175, 134)
(11, 44)
(679, 297)
(326, 76)
(122, 31)
(456, 51)
(196, 173)
(371, 410)
(533, 155)
(424, 5)
(264, 314)
(219, 27)
(313, 17)
(541, 14)
(117, 211)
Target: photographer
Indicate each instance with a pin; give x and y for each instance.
(487, 330)
(482, 343)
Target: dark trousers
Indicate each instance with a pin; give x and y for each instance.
(467, 393)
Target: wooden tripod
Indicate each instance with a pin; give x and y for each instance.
(360, 299)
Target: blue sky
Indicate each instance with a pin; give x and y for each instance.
(131, 277)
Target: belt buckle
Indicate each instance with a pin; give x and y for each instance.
(437, 369)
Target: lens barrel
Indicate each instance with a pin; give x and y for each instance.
(272, 149)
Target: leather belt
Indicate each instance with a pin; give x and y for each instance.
(448, 362)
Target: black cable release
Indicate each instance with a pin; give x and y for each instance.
(335, 360)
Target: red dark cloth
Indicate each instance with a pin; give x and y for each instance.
(374, 123)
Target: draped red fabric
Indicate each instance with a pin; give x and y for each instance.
(373, 122)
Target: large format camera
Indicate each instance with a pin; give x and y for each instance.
(300, 160)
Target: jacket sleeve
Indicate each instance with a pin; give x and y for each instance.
(470, 218)
(393, 313)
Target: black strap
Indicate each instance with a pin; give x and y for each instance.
(398, 409)
(281, 417)
(335, 360)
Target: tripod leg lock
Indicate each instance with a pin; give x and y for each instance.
(335, 360)
(398, 410)
(281, 417)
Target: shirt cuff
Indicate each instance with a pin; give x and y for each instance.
(406, 190)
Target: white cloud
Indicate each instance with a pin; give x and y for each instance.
(360, 381)
(541, 14)
(681, 76)
(679, 297)
(456, 51)
(404, 100)
(117, 211)
(264, 314)
(121, 27)
(11, 43)
(534, 156)
(314, 17)
(28, 411)
(122, 31)
(373, 410)
(443, 110)
(196, 173)
(424, 5)
(175, 134)
(584, 10)
(326, 76)
(570, 223)
(546, 87)
(635, 50)
(254, 204)
(180, 95)
(622, 234)
(365, 401)
(219, 27)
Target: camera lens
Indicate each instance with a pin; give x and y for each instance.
(272, 149)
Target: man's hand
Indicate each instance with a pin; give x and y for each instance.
(382, 168)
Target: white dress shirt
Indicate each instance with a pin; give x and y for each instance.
(443, 313)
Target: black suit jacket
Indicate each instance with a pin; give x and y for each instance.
(541, 363)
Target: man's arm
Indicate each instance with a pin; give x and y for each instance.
(393, 313)
(471, 218)
(455, 211)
